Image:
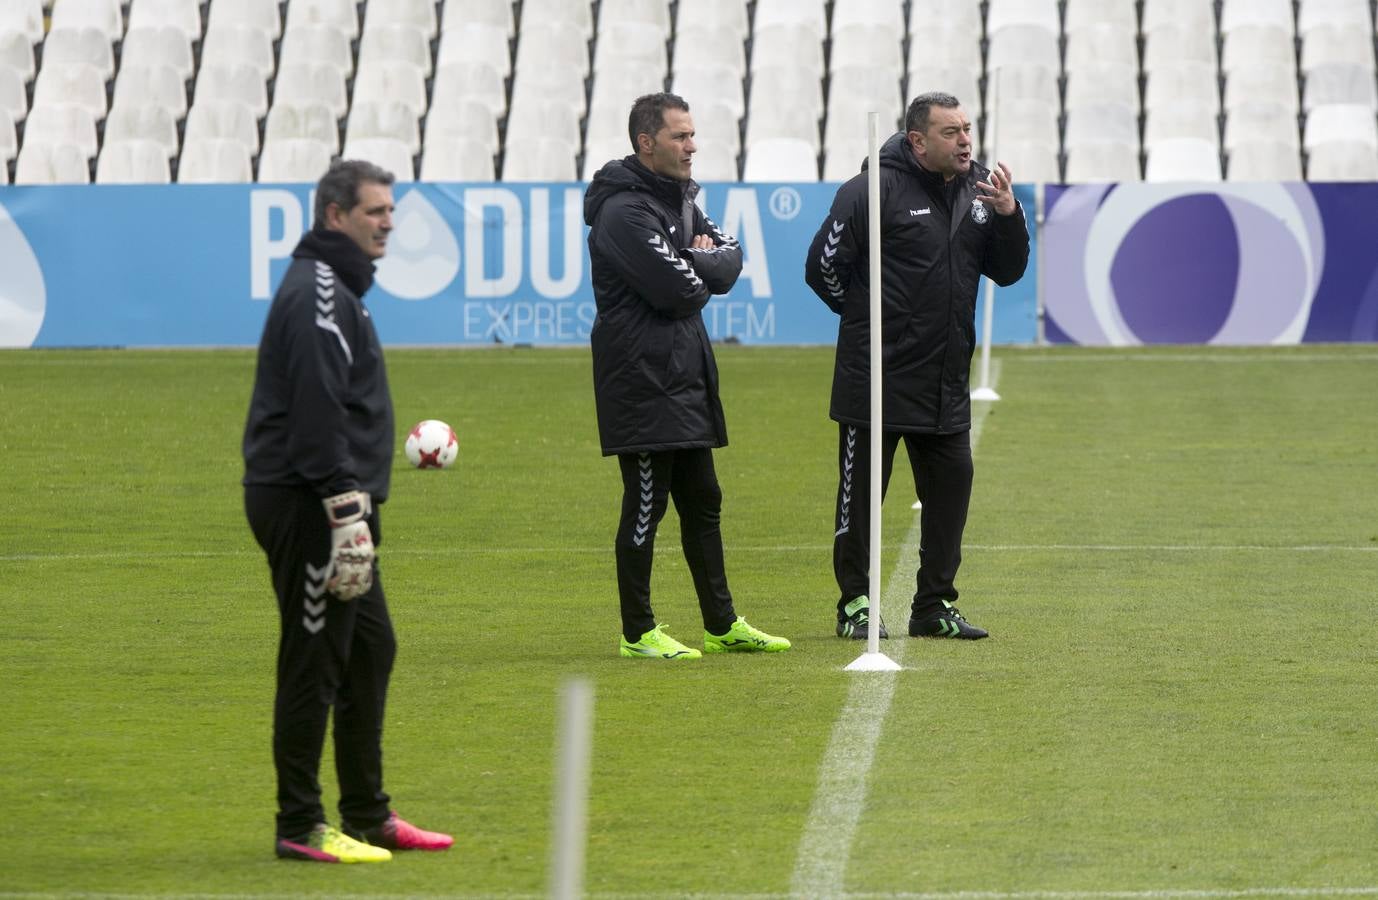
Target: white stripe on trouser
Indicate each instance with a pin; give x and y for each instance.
(844, 502)
(643, 518)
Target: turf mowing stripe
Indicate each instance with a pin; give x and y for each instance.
(779, 548)
(820, 864)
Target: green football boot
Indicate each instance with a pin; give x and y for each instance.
(656, 644)
(743, 637)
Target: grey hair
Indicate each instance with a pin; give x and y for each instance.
(916, 119)
(648, 114)
(340, 185)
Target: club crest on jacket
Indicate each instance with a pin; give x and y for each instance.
(979, 215)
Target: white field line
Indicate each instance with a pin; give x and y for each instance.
(735, 549)
(820, 863)
(1184, 894)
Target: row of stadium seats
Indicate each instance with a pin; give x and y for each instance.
(1074, 90)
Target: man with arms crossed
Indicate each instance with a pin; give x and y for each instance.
(656, 261)
(946, 220)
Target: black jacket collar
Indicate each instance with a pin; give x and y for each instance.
(338, 251)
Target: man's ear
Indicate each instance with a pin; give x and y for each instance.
(645, 143)
(915, 140)
(332, 214)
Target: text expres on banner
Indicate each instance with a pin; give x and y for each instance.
(468, 264)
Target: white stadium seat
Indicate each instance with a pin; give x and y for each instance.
(132, 162)
(144, 121)
(317, 43)
(222, 120)
(213, 162)
(184, 15)
(293, 160)
(888, 14)
(545, 159)
(306, 83)
(809, 13)
(1264, 161)
(78, 84)
(341, 14)
(240, 82)
(395, 43)
(1183, 159)
(62, 124)
(1340, 123)
(1342, 161)
(712, 14)
(25, 16)
(291, 121)
(475, 42)
(715, 162)
(261, 14)
(655, 13)
(79, 46)
(384, 119)
(44, 163)
(781, 159)
(467, 119)
(453, 158)
(152, 85)
(239, 44)
(106, 15)
(416, 13)
(1099, 162)
(391, 154)
(571, 14)
(158, 45)
(16, 52)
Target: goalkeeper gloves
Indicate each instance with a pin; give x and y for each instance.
(350, 573)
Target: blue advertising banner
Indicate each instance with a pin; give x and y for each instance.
(1211, 263)
(195, 265)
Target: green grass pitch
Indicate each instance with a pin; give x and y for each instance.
(1175, 550)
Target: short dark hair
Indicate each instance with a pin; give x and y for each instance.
(916, 119)
(648, 114)
(340, 185)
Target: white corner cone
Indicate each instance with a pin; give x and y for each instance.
(872, 662)
(984, 393)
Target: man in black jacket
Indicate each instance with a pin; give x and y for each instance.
(318, 450)
(656, 260)
(945, 221)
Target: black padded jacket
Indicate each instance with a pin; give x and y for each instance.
(937, 240)
(321, 414)
(655, 379)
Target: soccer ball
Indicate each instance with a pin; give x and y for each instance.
(431, 444)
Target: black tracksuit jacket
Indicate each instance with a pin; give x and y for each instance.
(321, 415)
(936, 242)
(654, 376)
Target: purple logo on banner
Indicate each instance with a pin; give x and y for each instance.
(1181, 263)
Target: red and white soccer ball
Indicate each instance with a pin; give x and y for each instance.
(431, 444)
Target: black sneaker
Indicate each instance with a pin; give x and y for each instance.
(854, 621)
(945, 623)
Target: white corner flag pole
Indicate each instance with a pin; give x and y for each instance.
(985, 391)
(573, 743)
(873, 660)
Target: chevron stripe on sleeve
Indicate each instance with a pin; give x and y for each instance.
(325, 307)
(825, 261)
(681, 265)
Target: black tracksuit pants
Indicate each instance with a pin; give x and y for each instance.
(942, 478)
(331, 655)
(649, 481)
